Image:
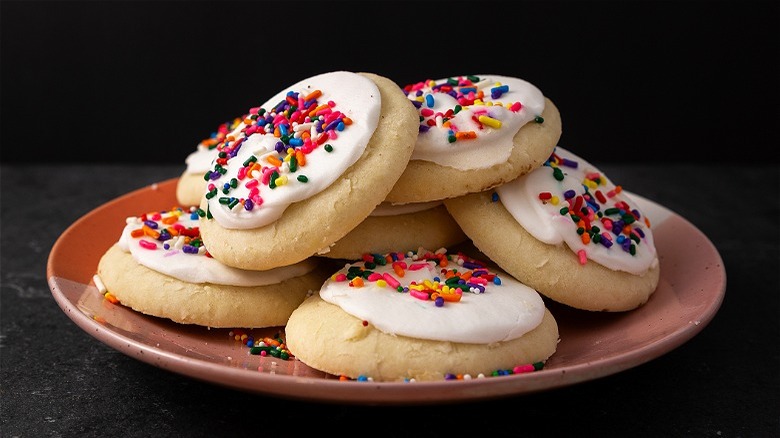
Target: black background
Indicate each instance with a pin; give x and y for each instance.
(143, 82)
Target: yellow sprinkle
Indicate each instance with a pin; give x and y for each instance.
(381, 283)
(493, 123)
(282, 180)
(554, 200)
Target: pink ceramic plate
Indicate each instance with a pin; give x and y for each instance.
(593, 345)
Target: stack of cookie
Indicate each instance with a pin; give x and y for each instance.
(341, 170)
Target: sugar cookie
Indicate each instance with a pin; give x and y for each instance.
(567, 231)
(476, 132)
(313, 163)
(422, 316)
(407, 226)
(160, 267)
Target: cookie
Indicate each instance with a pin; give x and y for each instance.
(422, 316)
(191, 185)
(159, 267)
(318, 158)
(408, 226)
(567, 231)
(476, 132)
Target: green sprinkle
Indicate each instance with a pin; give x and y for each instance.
(558, 174)
(451, 138)
(611, 211)
(233, 182)
(328, 147)
(250, 160)
(293, 164)
(224, 200)
(200, 212)
(457, 109)
(233, 203)
(539, 119)
(303, 178)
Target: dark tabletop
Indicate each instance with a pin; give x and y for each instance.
(58, 380)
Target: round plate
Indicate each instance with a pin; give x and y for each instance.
(593, 345)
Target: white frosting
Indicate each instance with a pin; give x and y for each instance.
(354, 96)
(389, 209)
(492, 144)
(199, 161)
(501, 313)
(544, 220)
(195, 267)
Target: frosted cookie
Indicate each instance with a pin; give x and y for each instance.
(476, 132)
(191, 185)
(314, 162)
(422, 316)
(567, 231)
(392, 227)
(160, 267)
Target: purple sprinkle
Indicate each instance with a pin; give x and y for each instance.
(569, 163)
(189, 249)
(568, 194)
(248, 205)
(606, 242)
(151, 224)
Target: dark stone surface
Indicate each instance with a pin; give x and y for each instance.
(58, 381)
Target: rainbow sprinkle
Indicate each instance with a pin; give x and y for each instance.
(300, 123)
(449, 286)
(469, 92)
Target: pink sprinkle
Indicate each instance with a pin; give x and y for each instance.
(419, 294)
(374, 276)
(426, 112)
(241, 172)
(251, 130)
(147, 244)
(257, 200)
(391, 280)
(582, 256)
(251, 183)
(417, 266)
(520, 369)
(254, 110)
(341, 277)
(517, 106)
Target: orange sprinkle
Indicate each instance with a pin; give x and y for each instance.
(300, 157)
(313, 95)
(347, 121)
(151, 232)
(138, 232)
(585, 238)
(273, 161)
(466, 135)
(112, 299)
(170, 219)
(356, 282)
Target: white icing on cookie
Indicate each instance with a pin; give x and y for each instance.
(492, 313)
(492, 119)
(322, 136)
(608, 207)
(189, 262)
